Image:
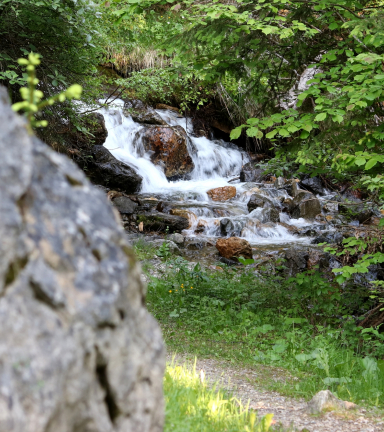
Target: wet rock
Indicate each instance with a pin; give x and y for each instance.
(95, 123)
(362, 213)
(269, 215)
(279, 183)
(331, 237)
(179, 239)
(326, 400)
(107, 170)
(317, 258)
(312, 184)
(305, 205)
(234, 247)
(222, 193)
(201, 225)
(196, 244)
(296, 260)
(124, 205)
(169, 149)
(167, 107)
(172, 246)
(156, 221)
(187, 214)
(291, 228)
(249, 173)
(257, 201)
(79, 351)
(148, 116)
(291, 187)
(331, 207)
(229, 227)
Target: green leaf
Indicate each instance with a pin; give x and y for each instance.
(271, 134)
(360, 161)
(370, 164)
(235, 133)
(321, 117)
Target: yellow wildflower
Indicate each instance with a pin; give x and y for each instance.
(170, 291)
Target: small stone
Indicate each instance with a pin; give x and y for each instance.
(326, 400)
(177, 238)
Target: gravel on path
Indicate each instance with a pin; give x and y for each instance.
(288, 412)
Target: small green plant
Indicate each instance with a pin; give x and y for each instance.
(32, 102)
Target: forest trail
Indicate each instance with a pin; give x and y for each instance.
(289, 414)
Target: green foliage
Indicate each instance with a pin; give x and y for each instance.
(166, 86)
(192, 406)
(62, 32)
(32, 98)
(258, 318)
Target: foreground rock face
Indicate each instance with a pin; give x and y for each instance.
(234, 247)
(169, 149)
(107, 170)
(79, 351)
(222, 193)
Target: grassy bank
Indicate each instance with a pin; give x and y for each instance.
(260, 319)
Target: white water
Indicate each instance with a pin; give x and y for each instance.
(215, 163)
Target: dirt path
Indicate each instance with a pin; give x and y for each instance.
(290, 413)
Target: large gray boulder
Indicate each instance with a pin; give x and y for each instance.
(79, 352)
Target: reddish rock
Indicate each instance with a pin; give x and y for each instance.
(233, 247)
(222, 193)
(169, 147)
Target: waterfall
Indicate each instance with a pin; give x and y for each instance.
(215, 163)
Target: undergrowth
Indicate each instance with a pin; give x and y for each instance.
(192, 406)
(257, 319)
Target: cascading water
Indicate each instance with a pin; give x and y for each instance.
(215, 163)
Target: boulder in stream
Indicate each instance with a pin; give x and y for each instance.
(224, 193)
(258, 200)
(312, 184)
(296, 260)
(234, 247)
(156, 221)
(106, 170)
(96, 125)
(168, 147)
(124, 204)
(147, 116)
(305, 205)
(79, 351)
(250, 173)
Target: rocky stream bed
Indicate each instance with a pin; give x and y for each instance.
(163, 179)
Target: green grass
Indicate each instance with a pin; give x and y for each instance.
(193, 406)
(266, 322)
